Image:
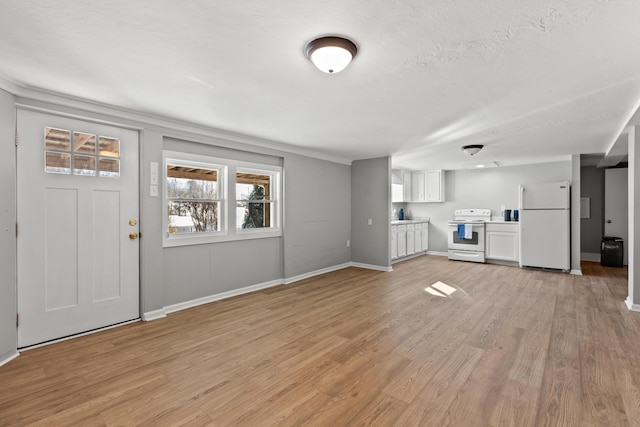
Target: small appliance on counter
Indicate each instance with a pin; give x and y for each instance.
(507, 214)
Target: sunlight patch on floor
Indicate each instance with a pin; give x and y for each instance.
(440, 289)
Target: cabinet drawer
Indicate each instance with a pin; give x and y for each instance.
(410, 226)
(509, 227)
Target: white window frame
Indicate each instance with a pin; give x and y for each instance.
(275, 173)
(226, 184)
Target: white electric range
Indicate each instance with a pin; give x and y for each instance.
(471, 246)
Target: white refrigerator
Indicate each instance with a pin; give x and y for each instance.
(545, 224)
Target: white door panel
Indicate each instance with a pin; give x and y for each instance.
(544, 238)
(548, 195)
(78, 269)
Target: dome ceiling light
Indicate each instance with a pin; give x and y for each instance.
(331, 54)
(472, 149)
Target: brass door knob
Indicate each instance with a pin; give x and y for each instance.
(133, 236)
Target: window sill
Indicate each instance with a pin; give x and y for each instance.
(175, 241)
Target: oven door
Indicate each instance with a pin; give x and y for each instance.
(475, 244)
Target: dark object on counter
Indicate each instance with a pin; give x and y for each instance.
(401, 214)
(507, 214)
(612, 251)
(516, 215)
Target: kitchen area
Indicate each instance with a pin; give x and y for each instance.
(478, 216)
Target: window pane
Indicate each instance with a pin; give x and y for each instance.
(57, 162)
(109, 167)
(193, 217)
(253, 186)
(191, 183)
(84, 165)
(84, 143)
(57, 139)
(253, 215)
(109, 147)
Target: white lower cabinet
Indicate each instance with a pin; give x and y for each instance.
(394, 241)
(503, 241)
(402, 240)
(409, 239)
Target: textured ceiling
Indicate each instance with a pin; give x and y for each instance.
(531, 80)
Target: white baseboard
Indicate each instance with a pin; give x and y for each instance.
(299, 277)
(436, 253)
(216, 297)
(372, 267)
(631, 306)
(590, 256)
(154, 315)
(576, 272)
(8, 357)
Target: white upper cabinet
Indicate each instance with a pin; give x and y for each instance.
(418, 184)
(435, 186)
(400, 186)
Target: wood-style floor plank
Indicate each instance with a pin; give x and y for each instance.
(493, 346)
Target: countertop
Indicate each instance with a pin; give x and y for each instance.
(501, 221)
(409, 221)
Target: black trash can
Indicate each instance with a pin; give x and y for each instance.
(612, 251)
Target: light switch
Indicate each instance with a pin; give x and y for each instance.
(154, 179)
(153, 191)
(370, 221)
(154, 167)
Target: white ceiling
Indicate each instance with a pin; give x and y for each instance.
(533, 81)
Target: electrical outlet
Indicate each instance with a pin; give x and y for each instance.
(348, 243)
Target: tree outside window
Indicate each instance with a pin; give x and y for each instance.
(193, 200)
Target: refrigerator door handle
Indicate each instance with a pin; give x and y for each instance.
(520, 197)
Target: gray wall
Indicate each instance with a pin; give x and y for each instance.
(317, 217)
(370, 199)
(592, 228)
(317, 214)
(484, 188)
(8, 338)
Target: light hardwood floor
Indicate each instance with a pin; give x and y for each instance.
(508, 347)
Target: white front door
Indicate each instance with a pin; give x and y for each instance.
(77, 205)
(616, 223)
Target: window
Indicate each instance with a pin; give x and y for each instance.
(254, 202)
(78, 152)
(210, 199)
(193, 199)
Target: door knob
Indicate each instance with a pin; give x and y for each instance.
(132, 222)
(133, 236)
(608, 221)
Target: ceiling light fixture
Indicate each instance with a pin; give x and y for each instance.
(331, 54)
(471, 149)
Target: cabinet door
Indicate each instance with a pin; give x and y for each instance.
(411, 236)
(394, 242)
(417, 244)
(425, 237)
(418, 187)
(402, 241)
(435, 186)
(503, 245)
(406, 182)
(397, 187)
